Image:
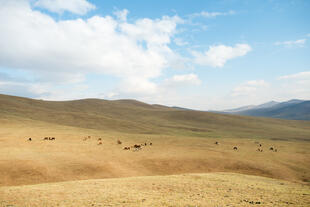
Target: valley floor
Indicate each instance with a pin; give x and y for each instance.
(176, 170)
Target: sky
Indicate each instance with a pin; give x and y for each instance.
(199, 54)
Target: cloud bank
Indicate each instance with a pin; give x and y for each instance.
(58, 55)
(33, 41)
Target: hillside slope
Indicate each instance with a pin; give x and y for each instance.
(131, 116)
(183, 141)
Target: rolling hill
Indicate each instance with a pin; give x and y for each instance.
(96, 170)
(130, 116)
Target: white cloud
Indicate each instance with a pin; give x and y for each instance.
(135, 86)
(249, 87)
(67, 50)
(45, 90)
(121, 14)
(296, 43)
(218, 55)
(111, 95)
(256, 83)
(155, 32)
(180, 42)
(59, 6)
(295, 85)
(301, 75)
(169, 91)
(185, 79)
(212, 14)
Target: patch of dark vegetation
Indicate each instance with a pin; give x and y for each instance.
(302, 139)
(249, 169)
(280, 139)
(193, 129)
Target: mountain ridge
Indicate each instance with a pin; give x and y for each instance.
(294, 109)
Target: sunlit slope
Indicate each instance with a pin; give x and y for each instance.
(131, 116)
(183, 142)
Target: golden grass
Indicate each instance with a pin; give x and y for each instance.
(212, 189)
(58, 173)
(71, 158)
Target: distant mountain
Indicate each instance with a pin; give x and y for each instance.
(267, 105)
(251, 107)
(292, 109)
(243, 108)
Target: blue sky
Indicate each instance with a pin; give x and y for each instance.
(207, 55)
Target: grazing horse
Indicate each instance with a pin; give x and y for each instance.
(271, 148)
(45, 138)
(29, 139)
(126, 148)
(235, 148)
(53, 138)
(137, 147)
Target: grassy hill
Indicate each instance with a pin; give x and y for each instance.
(131, 116)
(182, 144)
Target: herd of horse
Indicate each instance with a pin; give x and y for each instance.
(45, 138)
(137, 147)
(259, 149)
(134, 147)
